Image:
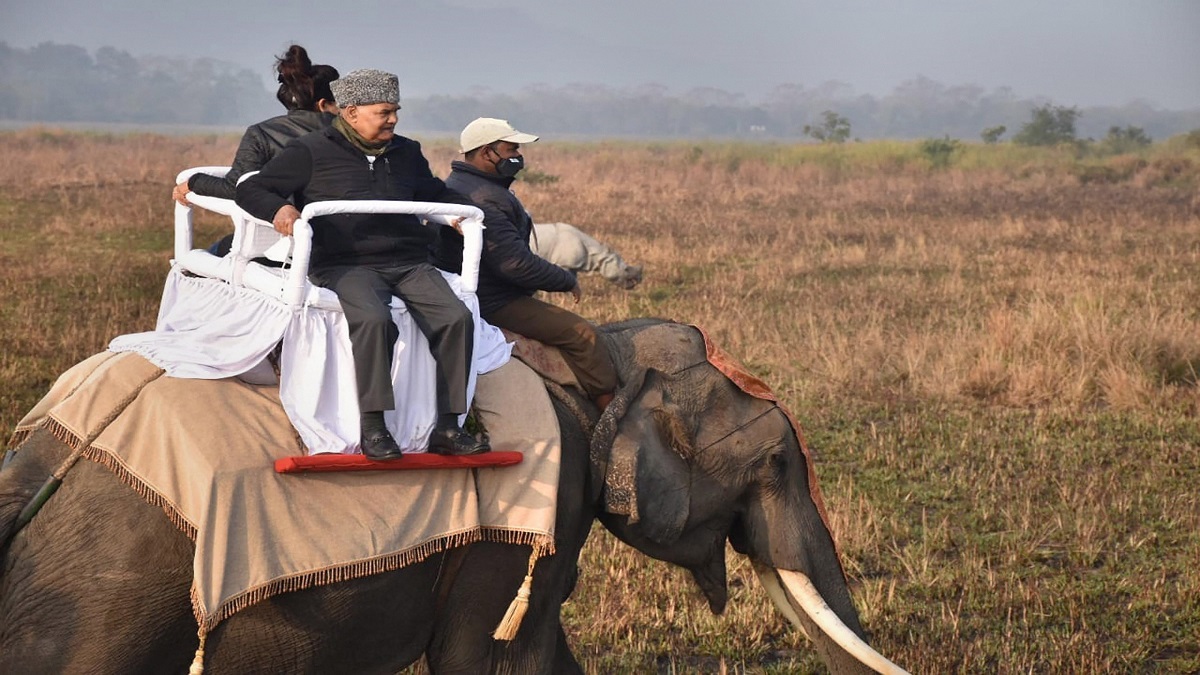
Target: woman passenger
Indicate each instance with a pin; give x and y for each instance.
(304, 91)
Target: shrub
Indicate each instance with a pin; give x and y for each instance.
(939, 151)
(1051, 125)
(1124, 141)
(991, 135)
(835, 128)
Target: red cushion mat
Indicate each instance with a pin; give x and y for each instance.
(416, 460)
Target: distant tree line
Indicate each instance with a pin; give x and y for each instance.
(54, 83)
(64, 83)
(915, 110)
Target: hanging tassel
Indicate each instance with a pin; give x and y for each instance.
(197, 667)
(507, 630)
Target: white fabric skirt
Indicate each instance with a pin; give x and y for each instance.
(210, 329)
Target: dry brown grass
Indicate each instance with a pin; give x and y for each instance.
(997, 367)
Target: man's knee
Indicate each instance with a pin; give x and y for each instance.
(584, 331)
(459, 318)
(375, 320)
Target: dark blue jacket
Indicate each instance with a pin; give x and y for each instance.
(508, 268)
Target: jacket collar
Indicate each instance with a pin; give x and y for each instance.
(301, 114)
(310, 119)
(502, 181)
(341, 140)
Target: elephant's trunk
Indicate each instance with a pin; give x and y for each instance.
(795, 596)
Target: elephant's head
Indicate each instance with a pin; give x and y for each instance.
(684, 460)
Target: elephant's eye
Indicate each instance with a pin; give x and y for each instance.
(778, 460)
(774, 470)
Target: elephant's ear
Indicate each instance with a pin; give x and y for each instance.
(648, 478)
(607, 428)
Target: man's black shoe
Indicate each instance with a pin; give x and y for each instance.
(456, 441)
(379, 446)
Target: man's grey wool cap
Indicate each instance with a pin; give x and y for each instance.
(364, 87)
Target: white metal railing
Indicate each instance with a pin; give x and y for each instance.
(183, 214)
(293, 287)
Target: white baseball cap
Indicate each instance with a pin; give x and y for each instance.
(489, 130)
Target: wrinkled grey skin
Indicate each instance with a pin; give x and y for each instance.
(680, 463)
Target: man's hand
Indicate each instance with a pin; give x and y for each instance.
(179, 194)
(285, 217)
(457, 224)
(576, 292)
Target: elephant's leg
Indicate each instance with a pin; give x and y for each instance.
(377, 624)
(486, 578)
(98, 581)
(486, 582)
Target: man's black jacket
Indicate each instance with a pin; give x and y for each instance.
(508, 268)
(323, 166)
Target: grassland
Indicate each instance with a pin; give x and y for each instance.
(996, 364)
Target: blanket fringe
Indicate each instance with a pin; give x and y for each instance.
(330, 575)
(112, 463)
(538, 540)
(62, 433)
(77, 449)
(85, 443)
(19, 436)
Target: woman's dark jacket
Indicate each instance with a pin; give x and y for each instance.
(508, 268)
(259, 144)
(322, 166)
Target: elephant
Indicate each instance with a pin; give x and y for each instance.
(680, 462)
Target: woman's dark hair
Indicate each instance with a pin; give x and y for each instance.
(302, 84)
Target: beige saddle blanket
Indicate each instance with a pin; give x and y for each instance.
(203, 450)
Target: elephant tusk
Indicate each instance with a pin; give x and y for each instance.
(798, 588)
(779, 598)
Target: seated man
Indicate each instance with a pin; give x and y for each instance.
(367, 258)
(509, 271)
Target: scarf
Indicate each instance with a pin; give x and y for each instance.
(373, 149)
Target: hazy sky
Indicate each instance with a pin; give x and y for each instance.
(1074, 52)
